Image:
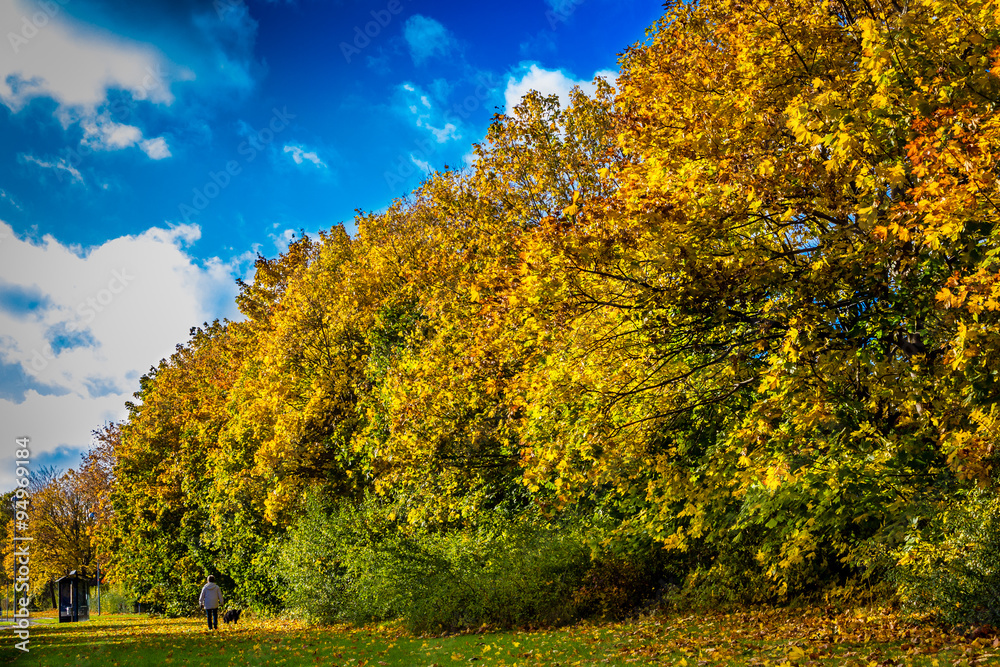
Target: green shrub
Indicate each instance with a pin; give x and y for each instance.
(251, 580)
(951, 566)
(180, 601)
(113, 601)
(522, 574)
(356, 563)
(334, 564)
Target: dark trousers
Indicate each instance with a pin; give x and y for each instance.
(213, 618)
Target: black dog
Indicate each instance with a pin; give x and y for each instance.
(231, 616)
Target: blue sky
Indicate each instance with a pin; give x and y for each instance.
(149, 150)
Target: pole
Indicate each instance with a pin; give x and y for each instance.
(98, 589)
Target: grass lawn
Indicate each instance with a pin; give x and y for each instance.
(799, 637)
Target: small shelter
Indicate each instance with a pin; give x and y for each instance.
(74, 598)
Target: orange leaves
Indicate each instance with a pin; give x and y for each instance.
(975, 294)
(816, 636)
(953, 157)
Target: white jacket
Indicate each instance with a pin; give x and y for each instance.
(211, 596)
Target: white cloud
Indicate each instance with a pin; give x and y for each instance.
(102, 317)
(418, 102)
(156, 149)
(60, 165)
(52, 56)
(283, 240)
(72, 65)
(103, 134)
(300, 155)
(449, 131)
(548, 82)
(426, 37)
(422, 165)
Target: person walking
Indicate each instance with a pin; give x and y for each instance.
(210, 600)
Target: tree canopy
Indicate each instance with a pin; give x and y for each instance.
(739, 305)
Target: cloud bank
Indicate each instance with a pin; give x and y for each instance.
(81, 326)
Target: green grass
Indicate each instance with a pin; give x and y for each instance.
(762, 637)
(128, 640)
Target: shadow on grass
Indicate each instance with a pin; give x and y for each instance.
(137, 641)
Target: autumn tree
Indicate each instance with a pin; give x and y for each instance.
(163, 480)
(740, 307)
(755, 352)
(59, 514)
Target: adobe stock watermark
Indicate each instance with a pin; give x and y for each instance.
(217, 181)
(562, 12)
(88, 310)
(363, 37)
(38, 20)
(406, 164)
(21, 546)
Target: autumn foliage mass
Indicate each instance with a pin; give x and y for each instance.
(727, 330)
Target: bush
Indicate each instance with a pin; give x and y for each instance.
(174, 600)
(113, 601)
(356, 563)
(615, 587)
(251, 580)
(951, 566)
(523, 574)
(329, 564)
